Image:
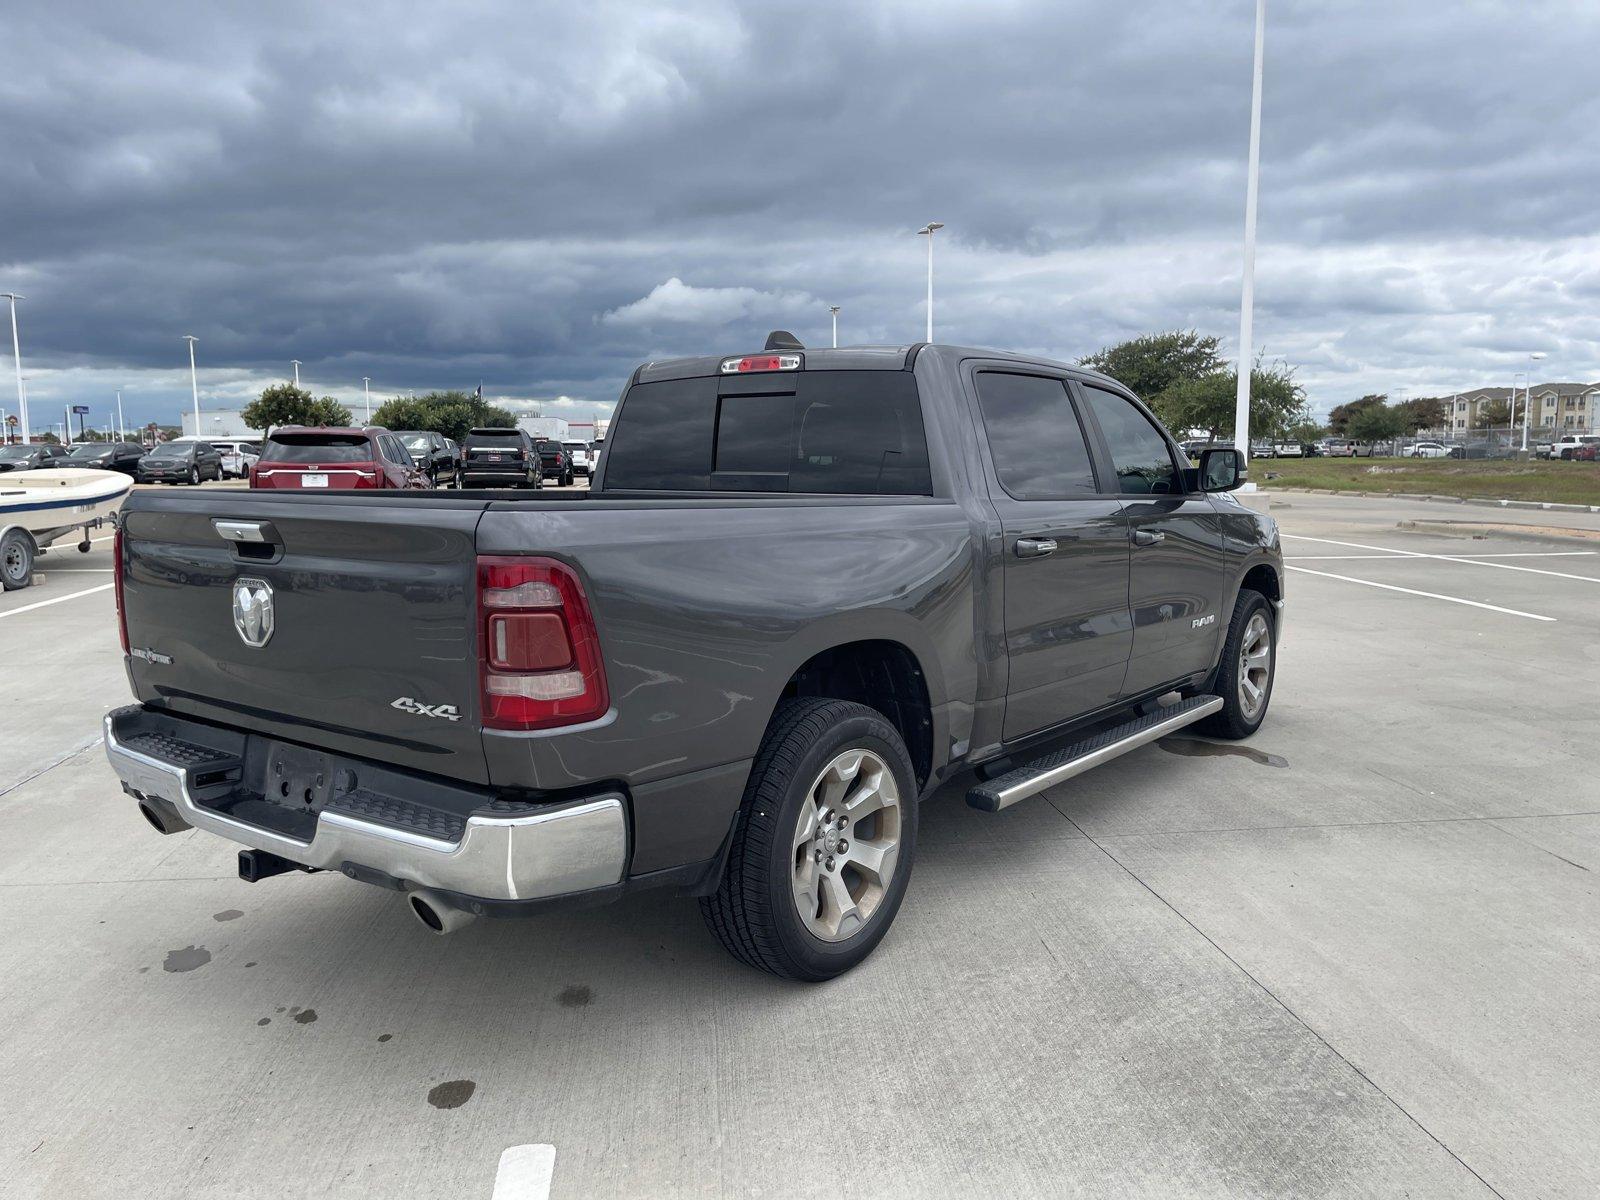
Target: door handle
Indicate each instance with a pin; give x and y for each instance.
(1148, 537)
(1035, 547)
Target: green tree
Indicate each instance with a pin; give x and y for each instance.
(1150, 365)
(1425, 412)
(285, 404)
(1376, 423)
(1277, 402)
(1343, 414)
(1491, 413)
(449, 413)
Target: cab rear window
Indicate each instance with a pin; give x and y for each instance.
(317, 448)
(827, 432)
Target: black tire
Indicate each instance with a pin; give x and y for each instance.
(1234, 721)
(16, 560)
(752, 913)
(194, 476)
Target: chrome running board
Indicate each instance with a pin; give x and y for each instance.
(1091, 752)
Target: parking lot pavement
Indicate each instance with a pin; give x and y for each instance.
(1352, 956)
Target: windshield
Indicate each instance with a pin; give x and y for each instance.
(172, 450)
(416, 441)
(317, 448)
(89, 450)
(494, 437)
(575, 447)
(12, 453)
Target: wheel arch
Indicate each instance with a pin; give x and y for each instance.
(886, 674)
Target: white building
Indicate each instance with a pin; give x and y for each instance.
(553, 428)
(218, 422)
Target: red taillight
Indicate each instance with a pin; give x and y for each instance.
(761, 362)
(539, 649)
(116, 578)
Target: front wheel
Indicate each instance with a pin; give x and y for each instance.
(1245, 674)
(194, 476)
(822, 845)
(16, 560)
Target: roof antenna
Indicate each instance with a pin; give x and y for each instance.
(782, 339)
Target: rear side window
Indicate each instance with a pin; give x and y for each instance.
(1139, 452)
(1035, 436)
(323, 448)
(827, 432)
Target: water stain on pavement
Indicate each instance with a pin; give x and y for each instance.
(1190, 748)
(186, 959)
(575, 995)
(303, 1016)
(264, 1021)
(227, 914)
(452, 1094)
(384, 1037)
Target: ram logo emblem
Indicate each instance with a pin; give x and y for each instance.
(253, 614)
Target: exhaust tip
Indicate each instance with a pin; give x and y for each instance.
(435, 914)
(162, 818)
(426, 914)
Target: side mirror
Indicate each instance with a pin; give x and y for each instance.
(1221, 469)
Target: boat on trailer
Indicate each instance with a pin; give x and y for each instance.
(39, 507)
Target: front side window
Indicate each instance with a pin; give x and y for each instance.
(1139, 453)
(1035, 436)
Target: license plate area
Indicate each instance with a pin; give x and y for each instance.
(311, 480)
(297, 778)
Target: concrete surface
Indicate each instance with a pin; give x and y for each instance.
(1354, 956)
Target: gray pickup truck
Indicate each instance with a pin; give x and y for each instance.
(806, 588)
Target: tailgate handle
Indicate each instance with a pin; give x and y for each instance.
(244, 531)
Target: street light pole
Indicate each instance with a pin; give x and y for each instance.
(16, 356)
(122, 433)
(194, 384)
(834, 309)
(1241, 407)
(295, 362)
(1527, 399)
(928, 231)
(366, 387)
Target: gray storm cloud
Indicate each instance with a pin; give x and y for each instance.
(540, 196)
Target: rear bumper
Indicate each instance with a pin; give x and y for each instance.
(532, 852)
(496, 475)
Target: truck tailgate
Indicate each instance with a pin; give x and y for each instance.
(370, 648)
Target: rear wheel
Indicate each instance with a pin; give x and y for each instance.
(16, 560)
(1245, 675)
(822, 846)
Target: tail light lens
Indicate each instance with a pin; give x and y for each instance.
(539, 649)
(116, 578)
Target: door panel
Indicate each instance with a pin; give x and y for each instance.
(1175, 588)
(1068, 630)
(1176, 568)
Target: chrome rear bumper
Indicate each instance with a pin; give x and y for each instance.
(546, 852)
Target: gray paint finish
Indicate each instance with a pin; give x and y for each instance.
(706, 607)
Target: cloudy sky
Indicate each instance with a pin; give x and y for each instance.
(540, 195)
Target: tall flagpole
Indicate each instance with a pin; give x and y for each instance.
(1241, 408)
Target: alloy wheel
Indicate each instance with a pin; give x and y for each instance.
(1255, 665)
(846, 845)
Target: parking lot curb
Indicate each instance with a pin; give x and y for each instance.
(1482, 501)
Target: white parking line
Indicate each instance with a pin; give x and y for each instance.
(1389, 587)
(1446, 558)
(525, 1173)
(104, 587)
(1409, 554)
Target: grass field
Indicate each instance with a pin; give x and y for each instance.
(1536, 479)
